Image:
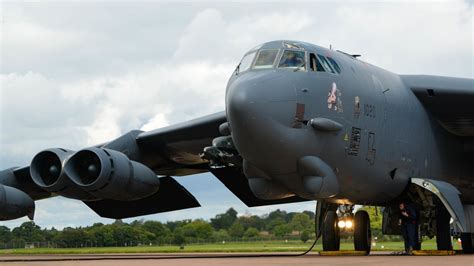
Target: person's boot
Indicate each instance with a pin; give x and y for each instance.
(410, 251)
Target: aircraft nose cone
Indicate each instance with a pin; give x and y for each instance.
(239, 104)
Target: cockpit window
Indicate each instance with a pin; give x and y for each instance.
(315, 63)
(334, 64)
(326, 64)
(293, 59)
(265, 58)
(246, 61)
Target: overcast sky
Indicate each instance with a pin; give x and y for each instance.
(75, 74)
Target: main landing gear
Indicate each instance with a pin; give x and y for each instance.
(342, 220)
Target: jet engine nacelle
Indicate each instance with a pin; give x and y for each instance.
(15, 203)
(110, 174)
(47, 172)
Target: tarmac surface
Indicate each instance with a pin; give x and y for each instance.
(208, 259)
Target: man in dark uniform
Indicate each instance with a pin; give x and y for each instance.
(408, 221)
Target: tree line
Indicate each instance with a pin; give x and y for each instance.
(226, 226)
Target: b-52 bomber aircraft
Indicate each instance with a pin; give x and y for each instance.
(301, 123)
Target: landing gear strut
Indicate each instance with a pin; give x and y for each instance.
(362, 232)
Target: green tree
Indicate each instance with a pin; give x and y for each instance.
(304, 236)
(278, 214)
(251, 232)
(310, 214)
(282, 230)
(272, 223)
(300, 222)
(178, 237)
(251, 221)
(225, 220)
(103, 235)
(5, 235)
(236, 230)
(72, 237)
(220, 235)
(29, 232)
(198, 229)
(160, 232)
(172, 225)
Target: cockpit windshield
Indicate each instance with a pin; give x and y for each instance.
(293, 59)
(265, 58)
(246, 61)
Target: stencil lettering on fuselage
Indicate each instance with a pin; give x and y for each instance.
(355, 141)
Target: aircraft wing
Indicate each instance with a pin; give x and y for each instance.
(165, 152)
(449, 100)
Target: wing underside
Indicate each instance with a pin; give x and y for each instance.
(449, 100)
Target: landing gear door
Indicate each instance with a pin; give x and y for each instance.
(448, 195)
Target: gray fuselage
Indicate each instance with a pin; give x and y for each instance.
(387, 136)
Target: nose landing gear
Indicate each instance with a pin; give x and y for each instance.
(342, 219)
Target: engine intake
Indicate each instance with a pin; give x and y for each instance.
(47, 172)
(110, 174)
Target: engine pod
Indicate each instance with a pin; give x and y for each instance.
(110, 174)
(47, 172)
(15, 203)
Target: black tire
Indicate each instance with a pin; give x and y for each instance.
(443, 230)
(331, 238)
(467, 240)
(362, 232)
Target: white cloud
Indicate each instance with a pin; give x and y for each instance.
(158, 121)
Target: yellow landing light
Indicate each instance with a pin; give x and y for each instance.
(341, 224)
(349, 224)
(345, 224)
(433, 252)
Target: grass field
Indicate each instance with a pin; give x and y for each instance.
(270, 246)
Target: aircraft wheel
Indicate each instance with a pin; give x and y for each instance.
(362, 232)
(443, 230)
(467, 240)
(331, 239)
